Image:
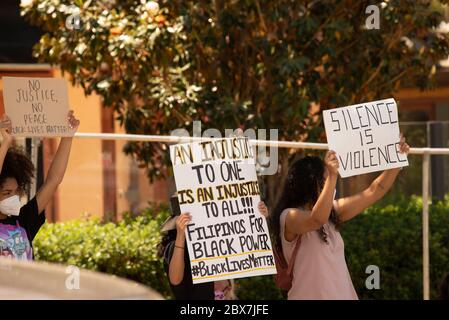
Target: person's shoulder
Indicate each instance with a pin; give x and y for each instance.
(296, 213)
(30, 205)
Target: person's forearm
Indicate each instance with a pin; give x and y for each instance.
(384, 182)
(3, 151)
(176, 268)
(59, 163)
(323, 207)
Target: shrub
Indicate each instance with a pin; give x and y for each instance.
(126, 249)
(389, 237)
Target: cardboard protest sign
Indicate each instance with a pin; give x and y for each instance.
(365, 137)
(37, 107)
(217, 184)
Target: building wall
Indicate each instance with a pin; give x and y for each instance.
(134, 190)
(82, 188)
(100, 179)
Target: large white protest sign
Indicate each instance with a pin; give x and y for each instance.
(365, 137)
(37, 107)
(217, 184)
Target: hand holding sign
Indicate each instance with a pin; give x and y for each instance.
(404, 148)
(181, 223)
(73, 122)
(331, 162)
(6, 126)
(365, 137)
(6, 129)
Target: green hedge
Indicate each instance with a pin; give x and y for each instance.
(126, 249)
(388, 237)
(391, 238)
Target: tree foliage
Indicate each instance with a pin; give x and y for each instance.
(236, 64)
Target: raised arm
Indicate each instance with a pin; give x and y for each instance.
(177, 265)
(300, 222)
(349, 207)
(5, 130)
(57, 167)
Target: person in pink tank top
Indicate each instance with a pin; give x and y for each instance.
(307, 212)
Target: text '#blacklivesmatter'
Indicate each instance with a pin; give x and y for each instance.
(229, 265)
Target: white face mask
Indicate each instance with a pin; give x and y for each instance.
(11, 206)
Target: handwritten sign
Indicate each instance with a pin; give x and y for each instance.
(365, 137)
(217, 184)
(37, 107)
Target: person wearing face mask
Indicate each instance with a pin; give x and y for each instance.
(20, 224)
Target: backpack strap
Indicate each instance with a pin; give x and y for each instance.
(291, 264)
(168, 252)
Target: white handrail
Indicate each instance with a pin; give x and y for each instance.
(267, 143)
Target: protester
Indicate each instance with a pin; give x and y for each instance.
(177, 262)
(307, 212)
(20, 224)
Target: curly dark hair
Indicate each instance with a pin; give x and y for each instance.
(166, 239)
(304, 182)
(17, 165)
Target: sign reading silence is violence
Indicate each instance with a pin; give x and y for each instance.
(217, 184)
(365, 137)
(37, 107)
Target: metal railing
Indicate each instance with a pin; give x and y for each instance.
(425, 152)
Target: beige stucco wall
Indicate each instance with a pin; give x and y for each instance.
(82, 188)
(134, 190)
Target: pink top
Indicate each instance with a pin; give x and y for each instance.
(320, 271)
